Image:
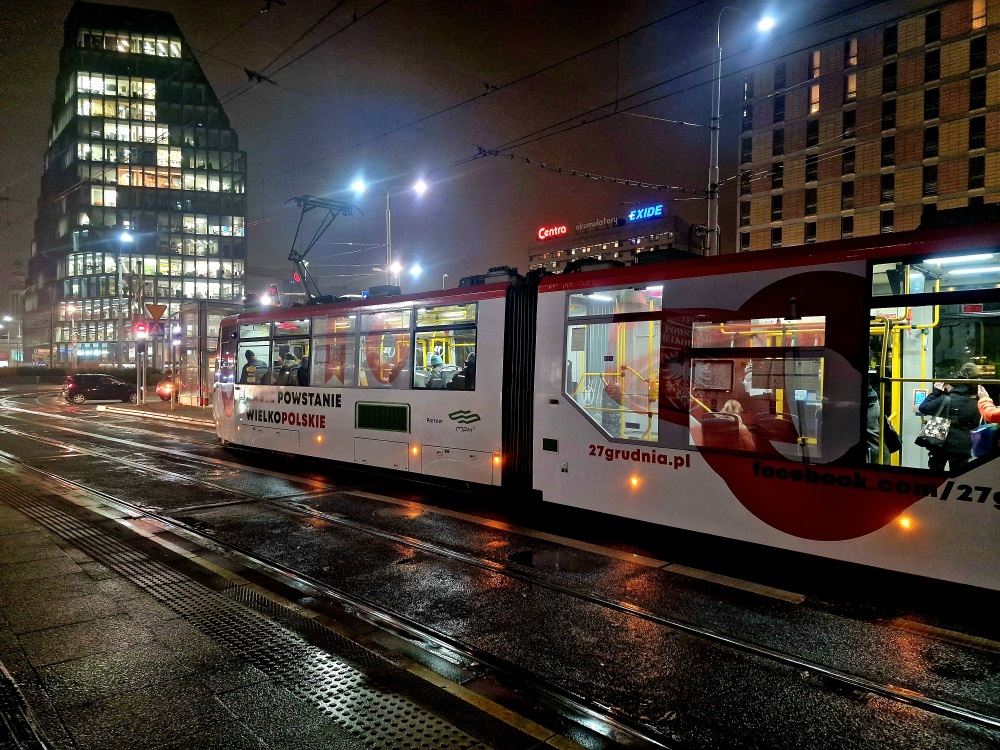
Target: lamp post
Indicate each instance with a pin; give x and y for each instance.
(359, 187)
(124, 238)
(71, 309)
(765, 24)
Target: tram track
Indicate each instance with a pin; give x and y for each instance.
(816, 673)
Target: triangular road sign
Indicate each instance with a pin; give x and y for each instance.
(155, 311)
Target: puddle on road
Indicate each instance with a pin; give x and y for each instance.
(399, 513)
(568, 561)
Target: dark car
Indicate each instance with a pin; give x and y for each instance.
(96, 387)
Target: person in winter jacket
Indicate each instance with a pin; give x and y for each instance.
(961, 409)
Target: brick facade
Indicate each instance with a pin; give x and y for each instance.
(875, 126)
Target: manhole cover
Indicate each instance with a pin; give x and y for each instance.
(399, 513)
(569, 561)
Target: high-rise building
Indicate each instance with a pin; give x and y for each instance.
(142, 196)
(856, 137)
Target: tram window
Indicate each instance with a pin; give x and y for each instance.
(334, 362)
(291, 328)
(335, 324)
(225, 360)
(255, 330)
(456, 347)
(968, 271)
(446, 315)
(289, 356)
(385, 349)
(918, 355)
(613, 369)
(256, 369)
(757, 386)
(616, 301)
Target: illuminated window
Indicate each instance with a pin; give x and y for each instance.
(814, 99)
(814, 64)
(851, 52)
(978, 14)
(613, 368)
(851, 87)
(385, 350)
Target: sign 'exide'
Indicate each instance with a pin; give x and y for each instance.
(649, 212)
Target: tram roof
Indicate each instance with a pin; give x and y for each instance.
(453, 296)
(917, 242)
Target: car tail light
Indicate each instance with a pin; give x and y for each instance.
(70, 386)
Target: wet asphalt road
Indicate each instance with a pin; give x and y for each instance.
(691, 690)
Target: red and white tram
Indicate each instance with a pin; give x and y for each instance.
(728, 396)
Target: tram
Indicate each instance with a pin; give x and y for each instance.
(752, 397)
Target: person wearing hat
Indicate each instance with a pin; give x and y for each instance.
(251, 372)
(435, 379)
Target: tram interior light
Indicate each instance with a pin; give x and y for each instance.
(601, 297)
(959, 259)
(970, 271)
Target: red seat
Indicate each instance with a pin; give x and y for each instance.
(775, 428)
(720, 431)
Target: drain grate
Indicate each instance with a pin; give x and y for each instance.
(277, 641)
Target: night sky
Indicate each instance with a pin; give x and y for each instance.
(324, 121)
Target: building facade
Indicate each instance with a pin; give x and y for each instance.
(856, 137)
(143, 191)
(643, 228)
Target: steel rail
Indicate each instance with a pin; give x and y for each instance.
(855, 682)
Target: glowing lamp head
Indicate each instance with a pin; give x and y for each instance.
(415, 270)
(766, 23)
(125, 236)
(358, 186)
(266, 299)
(420, 187)
(395, 267)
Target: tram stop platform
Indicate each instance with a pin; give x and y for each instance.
(115, 632)
(155, 408)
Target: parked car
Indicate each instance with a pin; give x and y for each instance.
(96, 387)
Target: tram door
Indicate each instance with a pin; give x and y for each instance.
(935, 323)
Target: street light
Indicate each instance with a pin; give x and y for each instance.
(764, 25)
(359, 187)
(124, 238)
(71, 309)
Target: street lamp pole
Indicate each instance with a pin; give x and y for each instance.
(122, 238)
(71, 309)
(765, 24)
(388, 238)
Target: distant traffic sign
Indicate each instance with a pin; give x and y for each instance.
(156, 311)
(156, 329)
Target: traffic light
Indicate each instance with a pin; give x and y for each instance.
(140, 329)
(296, 278)
(140, 347)
(273, 290)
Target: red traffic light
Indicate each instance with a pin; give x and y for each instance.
(296, 279)
(140, 329)
(273, 289)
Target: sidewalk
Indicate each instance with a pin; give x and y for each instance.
(156, 408)
(116, 635)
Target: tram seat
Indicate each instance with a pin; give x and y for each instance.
(720, 431)
(777, 428)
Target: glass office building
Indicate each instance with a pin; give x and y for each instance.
(142, 196)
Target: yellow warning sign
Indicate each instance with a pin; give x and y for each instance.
(155, 311)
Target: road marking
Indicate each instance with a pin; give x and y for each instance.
(943, 634)
(737, 583)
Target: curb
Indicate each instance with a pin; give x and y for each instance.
(157, 415)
